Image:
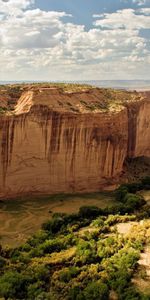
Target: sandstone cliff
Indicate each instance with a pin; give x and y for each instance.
(56, 141)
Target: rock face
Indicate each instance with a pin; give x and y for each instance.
(58, 142)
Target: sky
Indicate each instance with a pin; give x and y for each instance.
(49, 40)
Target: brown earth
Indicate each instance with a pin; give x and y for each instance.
(55, 140)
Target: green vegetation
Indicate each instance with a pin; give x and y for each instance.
(81, 256)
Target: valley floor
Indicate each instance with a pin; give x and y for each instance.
(20, 218)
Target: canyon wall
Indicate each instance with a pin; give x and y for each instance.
(139, 128)
(48, 146)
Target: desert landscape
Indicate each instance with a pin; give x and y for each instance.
(74, 150)
(74, 184)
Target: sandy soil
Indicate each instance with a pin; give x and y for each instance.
(125, 228)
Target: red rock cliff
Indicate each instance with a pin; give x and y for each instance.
(71, 142)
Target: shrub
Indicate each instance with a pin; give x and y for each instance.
(86, 252)
(120, 193)
(108, 246)
(134, 187)
(130, 294)
(13, 285)
(120, 208)
(75, 293)
(134, 201)
(38, 273)
(89, 211)
(96, 291)
(35, 240)
(67, 275)
(54, 225)
(50, 246)
(120, 280)
(99, 222)
(34, 290)
(72, 218)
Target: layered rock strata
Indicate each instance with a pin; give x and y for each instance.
(58, 142)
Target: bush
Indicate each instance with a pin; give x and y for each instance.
(67, 275)
(134, 201)
(72, 219)
(38, 273)
(96, 291)
(50, 246)
(89, 211)
(134, 187)
(35, 240)
(130, 294)
(76, 294)
(120, 193)
(108, 246)
(120, 280)
(54, 225)
(120, 208)
(86, 252)
(13, 285)
(35, 289)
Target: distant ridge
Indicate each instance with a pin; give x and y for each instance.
(118, 84)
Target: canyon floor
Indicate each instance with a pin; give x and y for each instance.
(20, 218)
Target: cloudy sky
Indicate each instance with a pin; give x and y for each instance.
(74, 39)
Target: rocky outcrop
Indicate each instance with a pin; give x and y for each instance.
(57, 142)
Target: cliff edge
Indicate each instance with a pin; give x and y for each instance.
(55, 140)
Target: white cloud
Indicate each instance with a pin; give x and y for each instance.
(36, 44)
(14, 7)
(126, 18)
(140, 2)
(145, 11)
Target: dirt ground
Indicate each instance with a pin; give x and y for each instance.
(19, 219)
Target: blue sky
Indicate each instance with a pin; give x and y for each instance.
(82, 10)
(74, 40)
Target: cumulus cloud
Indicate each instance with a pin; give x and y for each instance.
(14, 7)
(126, 19)
(37, 44)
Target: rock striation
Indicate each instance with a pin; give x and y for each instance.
(62, 142)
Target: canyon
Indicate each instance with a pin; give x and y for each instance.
(67, 140)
